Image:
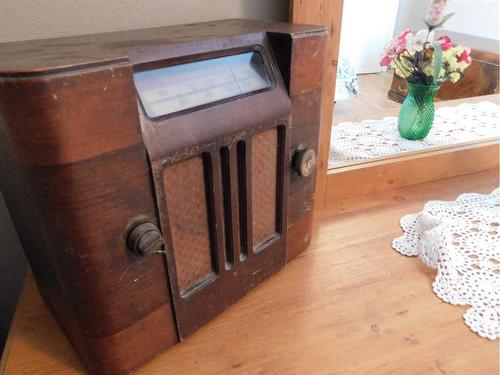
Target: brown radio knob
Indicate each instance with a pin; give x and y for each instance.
(305, 162)
(145, 239)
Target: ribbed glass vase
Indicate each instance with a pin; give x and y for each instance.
(417, 111)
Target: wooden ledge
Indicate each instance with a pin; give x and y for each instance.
(410, 169)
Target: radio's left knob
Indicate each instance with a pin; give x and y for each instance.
(145, 239)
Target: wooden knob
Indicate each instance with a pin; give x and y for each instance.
(145, 239)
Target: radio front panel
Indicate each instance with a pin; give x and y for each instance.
(217, 246)
(221, 202)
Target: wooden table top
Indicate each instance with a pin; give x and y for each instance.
(348, 305)
(372, 102)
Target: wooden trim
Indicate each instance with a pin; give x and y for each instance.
(389, 174)
(327, 13)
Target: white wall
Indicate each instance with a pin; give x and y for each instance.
(475, 17)
(478, 18)
(366, 28)
(34, 19)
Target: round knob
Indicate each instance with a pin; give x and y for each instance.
(145, 239)
(305, 162)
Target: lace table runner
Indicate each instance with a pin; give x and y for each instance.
(461, 240)
(369, 139)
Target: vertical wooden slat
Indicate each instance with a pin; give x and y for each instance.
(234, 201)
(327, 13)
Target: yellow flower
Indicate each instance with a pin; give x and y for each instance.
(454, 77)
(398, 71)
(453, 64)
(462, 65)
(402, 68)
(429, 70)
(457, 50)
(449, 55)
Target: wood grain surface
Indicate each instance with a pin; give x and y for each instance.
(329, 14)
(34, 57)
(388, 174)
(348, 305)
(76, 179)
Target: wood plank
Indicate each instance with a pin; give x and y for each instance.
(326, 13)
(393, 198)
(388, 174)
(348, 305)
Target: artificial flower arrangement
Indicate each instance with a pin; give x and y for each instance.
(425, 63)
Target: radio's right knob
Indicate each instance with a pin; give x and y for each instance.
(305, 162)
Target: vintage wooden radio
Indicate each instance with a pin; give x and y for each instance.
(155, 176)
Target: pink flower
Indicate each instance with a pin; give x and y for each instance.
(445, 42)
(398, 44)
(435, 11)
(465, 56)
(404, 33)
(386, 60)
(394, 48)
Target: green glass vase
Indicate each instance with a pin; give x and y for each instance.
(417, 111)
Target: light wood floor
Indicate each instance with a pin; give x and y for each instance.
(371, 103)
(348, 305)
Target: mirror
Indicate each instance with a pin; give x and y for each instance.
(368, 96)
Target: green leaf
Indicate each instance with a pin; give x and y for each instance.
(443, 20)
(429, 26)
(438, 61)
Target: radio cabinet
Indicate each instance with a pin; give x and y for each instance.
(155, 176)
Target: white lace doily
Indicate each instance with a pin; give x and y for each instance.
(369, 139)
(461, 240)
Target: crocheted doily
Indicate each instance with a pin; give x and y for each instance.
(369, 139)
(461, 240)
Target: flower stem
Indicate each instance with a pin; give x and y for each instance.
(401, 68)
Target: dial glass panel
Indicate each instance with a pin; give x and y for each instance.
(176, 88)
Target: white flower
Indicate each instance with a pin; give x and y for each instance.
(415, 43)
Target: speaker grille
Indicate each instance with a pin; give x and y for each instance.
(200, 246)
(264, 187)
(185, 193)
